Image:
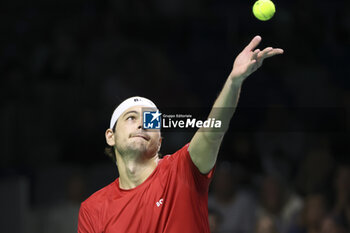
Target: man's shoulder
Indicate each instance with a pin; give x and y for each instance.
(101, 196)
(182, 150)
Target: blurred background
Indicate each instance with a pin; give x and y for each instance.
(65, 66)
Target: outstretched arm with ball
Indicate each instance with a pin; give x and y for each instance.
(205, 145)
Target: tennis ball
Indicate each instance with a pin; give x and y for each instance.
(264, 9)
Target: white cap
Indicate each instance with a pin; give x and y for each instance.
(128, 103)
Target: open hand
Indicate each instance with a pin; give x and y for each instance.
(250, 59)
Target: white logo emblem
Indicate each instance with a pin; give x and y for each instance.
(160, 202)
(151, 119)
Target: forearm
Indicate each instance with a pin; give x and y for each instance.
(205, 144)
(224, 107)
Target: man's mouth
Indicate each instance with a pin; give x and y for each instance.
(144, 136)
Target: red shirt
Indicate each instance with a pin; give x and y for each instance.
(173, 199)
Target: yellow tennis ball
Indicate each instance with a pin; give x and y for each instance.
(264, 9)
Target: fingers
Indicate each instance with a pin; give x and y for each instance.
(253, 43)
(254, 60)
(258, 56)
(255, 54)
(263, 54)
(269, 52)
(274, 52)
(254, 57)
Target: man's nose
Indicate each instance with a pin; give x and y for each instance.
(139, 124)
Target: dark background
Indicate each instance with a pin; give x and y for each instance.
(65, 66)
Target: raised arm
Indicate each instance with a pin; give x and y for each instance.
(205, 144)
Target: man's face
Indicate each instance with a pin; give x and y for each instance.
(130, 137)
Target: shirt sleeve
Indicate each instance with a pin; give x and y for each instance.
(188, 172)
(85, 221)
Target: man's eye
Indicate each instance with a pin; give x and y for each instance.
(131, 118)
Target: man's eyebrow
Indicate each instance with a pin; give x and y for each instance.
(132, 111)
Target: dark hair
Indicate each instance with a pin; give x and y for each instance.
(109, 150)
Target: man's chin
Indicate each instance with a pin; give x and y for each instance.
(141, 149)
(137, 147)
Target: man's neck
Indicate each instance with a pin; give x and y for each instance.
(133, 171)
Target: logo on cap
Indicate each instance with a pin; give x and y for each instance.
(151, 120)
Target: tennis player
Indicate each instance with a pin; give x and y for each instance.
(156, 195)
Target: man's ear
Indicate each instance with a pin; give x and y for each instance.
(110, 137)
